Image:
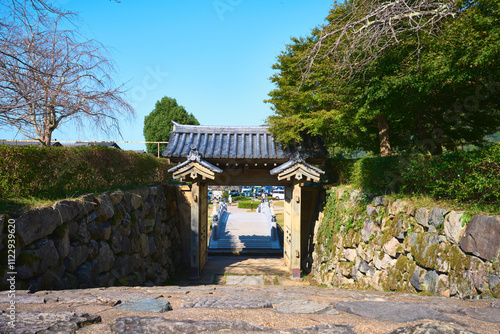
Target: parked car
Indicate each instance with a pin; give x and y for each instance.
(234, 192)
(245, 189)
(247, 193)
(279, 194)
(268, 190)
(210, 195)
(258, 191)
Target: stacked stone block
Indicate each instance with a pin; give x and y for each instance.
(119, 238)
(394, 246)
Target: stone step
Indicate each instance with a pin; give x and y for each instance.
(244, 245)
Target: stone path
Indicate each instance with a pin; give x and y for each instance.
(243, 232)
(244, 309)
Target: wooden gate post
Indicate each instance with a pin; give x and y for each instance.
(296, 229)
(199, 229)
(195, 231)
(287, 230)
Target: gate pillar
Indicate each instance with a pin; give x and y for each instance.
(296, 229)
(199, 229)
(198, 171)
(296, 171)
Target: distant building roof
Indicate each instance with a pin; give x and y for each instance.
(96, 143)
(19, 143)
(58, 144)
(237, 142)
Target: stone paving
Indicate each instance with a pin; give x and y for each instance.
(293, 306)
(244, 309)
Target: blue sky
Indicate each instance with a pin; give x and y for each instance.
(213, 56)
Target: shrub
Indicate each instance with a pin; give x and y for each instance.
(338, 171)
(463, 176)
(59, 172)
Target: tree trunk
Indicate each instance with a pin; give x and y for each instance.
(383, 135)
(437, 149)
(47, 138)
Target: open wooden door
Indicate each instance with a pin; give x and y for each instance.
(287, 230)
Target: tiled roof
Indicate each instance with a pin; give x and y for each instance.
(195, 157)
(236, 142)
(296, 158)
(96, 143)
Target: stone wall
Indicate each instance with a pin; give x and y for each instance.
(374, 243)
(120, 238)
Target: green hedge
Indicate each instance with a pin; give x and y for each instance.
(472, 176)
(59, 172)
(248, 204)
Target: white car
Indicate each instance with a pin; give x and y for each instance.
(279, 194)
(244, 189)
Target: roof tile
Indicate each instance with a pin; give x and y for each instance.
(236, 142)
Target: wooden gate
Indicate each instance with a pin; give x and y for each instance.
(287, 230)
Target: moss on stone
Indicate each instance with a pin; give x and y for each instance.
(348, 240)
(386, 236)
(495, 266)
(398, 277)
(117, 219)
(28, 259)
(60, 231)
(495, 292)
(346, 268)
(426, 293)
(122, 282)
(458, 260)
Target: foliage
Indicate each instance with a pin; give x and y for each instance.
(225, 195)
(471, 176)
(448, 94)
(341, 215)
(464, 176)
(338, 171)
(158, 124)
(61, 172)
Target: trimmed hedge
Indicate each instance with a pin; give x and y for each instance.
(472, 176)
(60, 172)
(238, 198)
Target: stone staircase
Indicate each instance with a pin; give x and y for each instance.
(244, 233)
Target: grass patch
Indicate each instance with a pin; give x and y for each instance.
(248, 204)
(280, 219)
(471, 209)
(17, 206)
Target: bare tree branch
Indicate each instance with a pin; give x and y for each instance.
(50, 76)
(367, 28)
